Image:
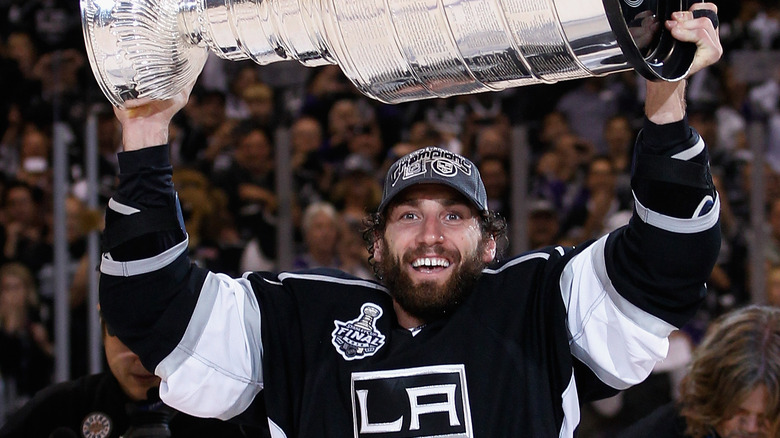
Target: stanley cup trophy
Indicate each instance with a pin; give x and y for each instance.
(392, 50)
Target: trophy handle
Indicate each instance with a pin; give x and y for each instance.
(661, 58)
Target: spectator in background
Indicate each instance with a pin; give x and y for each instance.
(543, 224)
(773, 243)
(259, 101)
(109, 137)
(23, 228)
(352, 250)
(343, 118)
(730, 116)
(737, 34)
(245, 76)
(34, 157)
(732, 388)
(587, 108)
(26, 352)
(326, 85)
(120, 402)
(728, 282)
(22, 48)
(491, 141)
(321, 226)
(203, 131)
(311, 178)
(495, 175)
(249, 183)
(484, 112)
(66, 65)
(619, 139)
(214, 240)
(365, 145)
(357, 192)
(773, 285)
(553, 125)
(599, 208)
(78, 222)
(11, 139)
(560, 173)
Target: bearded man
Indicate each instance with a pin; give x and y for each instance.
(452, 342)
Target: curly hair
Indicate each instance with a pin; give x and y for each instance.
(740, 352)
(492, 225)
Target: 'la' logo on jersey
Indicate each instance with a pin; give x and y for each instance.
(426, 402)
(359, 337)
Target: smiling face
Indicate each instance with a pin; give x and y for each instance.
(432, 251)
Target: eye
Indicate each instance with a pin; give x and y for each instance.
(407, 216)
(452, 216)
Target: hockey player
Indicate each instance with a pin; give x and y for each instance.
(443, 346)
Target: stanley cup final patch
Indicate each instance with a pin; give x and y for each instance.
(359, 338)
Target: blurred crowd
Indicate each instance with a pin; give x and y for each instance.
(580, 136)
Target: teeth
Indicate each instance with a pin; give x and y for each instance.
(429, 262)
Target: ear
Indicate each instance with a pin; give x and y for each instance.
(489, 253)
(378, 245)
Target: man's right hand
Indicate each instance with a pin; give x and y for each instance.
(145, 121)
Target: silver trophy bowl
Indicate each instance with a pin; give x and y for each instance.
(392, 50)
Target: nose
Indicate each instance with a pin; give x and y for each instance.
(431, 231)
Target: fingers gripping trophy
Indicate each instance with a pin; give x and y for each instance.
(392, 50)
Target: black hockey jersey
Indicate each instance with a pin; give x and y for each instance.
(95, 406)
(540, 334)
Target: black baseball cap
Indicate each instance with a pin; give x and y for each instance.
(434, 165)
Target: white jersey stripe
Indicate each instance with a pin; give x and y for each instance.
(571, 409)
(121, 208)
(619, 342)
(691, 151)
(678, 225)
(316, 277)
(109, 266)
(516, 261)
(204, 362)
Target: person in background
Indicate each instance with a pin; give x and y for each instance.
(26, 350)
(22, 225)
(120, 402)
(732, 387)
(543, 224)
(321, 229)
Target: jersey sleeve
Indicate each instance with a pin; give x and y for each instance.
(626, 292)
(197, 330)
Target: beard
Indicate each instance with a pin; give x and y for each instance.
(429, 300)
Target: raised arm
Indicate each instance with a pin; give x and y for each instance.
(629, 290)
(173, 314)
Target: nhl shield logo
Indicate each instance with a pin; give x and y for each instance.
(359, 337)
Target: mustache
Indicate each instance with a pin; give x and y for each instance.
(426, 250)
